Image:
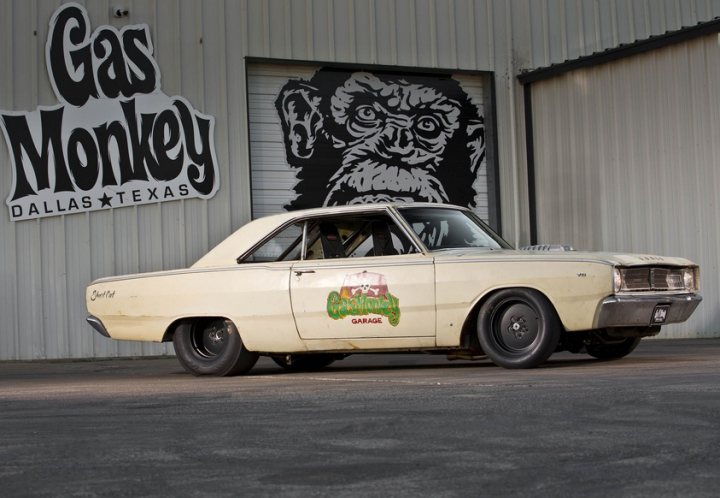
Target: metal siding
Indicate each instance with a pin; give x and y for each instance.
(200, 48)
(626, 160)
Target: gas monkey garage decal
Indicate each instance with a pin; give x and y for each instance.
(114, 139)
(363, 294)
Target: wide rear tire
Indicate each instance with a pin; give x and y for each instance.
(212, 346)
(518, 328)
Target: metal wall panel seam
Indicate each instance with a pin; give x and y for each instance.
(233, 75)
(433, 33)
(678, 14)
(452, 25)
(392, 15)
(563, 32)
(330, 12)
(216, 94)
(11, 348)
(473, 34)
(413, 34)
(352, 37)
(545, 32)
(596, 16)
(513, 136)
(490, 13)
(39, 348)
(309, 29)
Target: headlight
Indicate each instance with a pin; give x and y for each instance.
(617, 280)
(689, 278)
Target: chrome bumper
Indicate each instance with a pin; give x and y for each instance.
(637, 311)
(97, 325)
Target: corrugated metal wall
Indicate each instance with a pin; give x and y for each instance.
(200, 46)
(627, 160)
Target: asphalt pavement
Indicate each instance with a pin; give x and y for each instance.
(369, 425)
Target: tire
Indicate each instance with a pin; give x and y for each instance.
(518, 328)
(304, 362)
(212, 346)
(612, 350)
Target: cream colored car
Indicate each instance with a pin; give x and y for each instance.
(311, 287)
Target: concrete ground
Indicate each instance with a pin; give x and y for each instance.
(378, 425)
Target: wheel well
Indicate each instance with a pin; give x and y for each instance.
(170, 331)
(468, 337)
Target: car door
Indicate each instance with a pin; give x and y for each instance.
(357, 289)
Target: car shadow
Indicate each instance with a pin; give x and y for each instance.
(425, 364)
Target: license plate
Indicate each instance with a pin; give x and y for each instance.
(660, 313)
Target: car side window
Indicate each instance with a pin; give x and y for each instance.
(284, 246)
(355, 237)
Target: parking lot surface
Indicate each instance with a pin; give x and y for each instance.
(369, 425)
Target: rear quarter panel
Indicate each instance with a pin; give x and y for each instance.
(575, 288)
(254, 297)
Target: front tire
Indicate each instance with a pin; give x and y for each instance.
(212, 346)
(518, 328)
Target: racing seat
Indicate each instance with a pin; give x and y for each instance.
(382, 239)
(332, 245)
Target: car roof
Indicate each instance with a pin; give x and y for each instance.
(330, 210)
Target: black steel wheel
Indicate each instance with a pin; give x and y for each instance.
(304, 362)
(518, 328)
(212, 346)
(612, 350)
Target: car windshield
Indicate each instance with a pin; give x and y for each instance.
(446, 228)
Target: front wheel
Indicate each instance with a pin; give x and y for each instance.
(212, 346)
(612, 350)
(518, 328)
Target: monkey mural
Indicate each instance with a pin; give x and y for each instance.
(359, 137)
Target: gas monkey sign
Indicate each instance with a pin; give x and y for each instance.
(114, 139)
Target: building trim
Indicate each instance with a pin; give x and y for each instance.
(530, 156)
(622, 51)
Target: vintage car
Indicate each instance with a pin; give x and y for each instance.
(310, 287)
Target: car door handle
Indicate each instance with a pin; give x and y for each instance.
(300, 272)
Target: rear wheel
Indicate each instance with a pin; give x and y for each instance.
(304, 362)
(518, 328)
(212, 346)
(612, 350)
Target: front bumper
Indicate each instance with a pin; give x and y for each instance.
(638, 311)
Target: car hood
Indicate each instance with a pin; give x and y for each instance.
(610, 258)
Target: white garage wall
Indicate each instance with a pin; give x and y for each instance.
(627, 160)
(200, 48)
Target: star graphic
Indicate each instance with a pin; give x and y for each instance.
(105, 199)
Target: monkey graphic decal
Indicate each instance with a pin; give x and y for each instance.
(359, 137)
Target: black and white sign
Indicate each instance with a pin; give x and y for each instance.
(325, 135)
(114, 139)
(357, 137)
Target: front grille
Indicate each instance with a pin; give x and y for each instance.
(653, 279)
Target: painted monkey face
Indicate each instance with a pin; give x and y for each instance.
(393, 137)
(361, 137)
